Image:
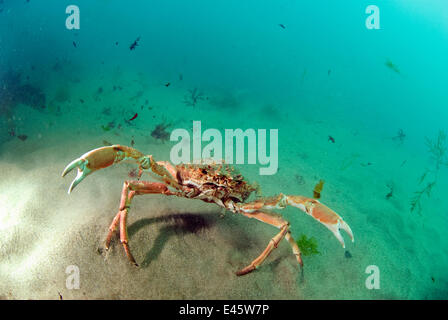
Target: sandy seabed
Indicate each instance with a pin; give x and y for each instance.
(189, 250)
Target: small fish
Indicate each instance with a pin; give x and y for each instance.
(330, 138)
(329, 71)
(181, 77)
(135, 116)
(81, 100)
(105, 128)
(390, 194)
(366, 164)
(22, 137)
(392, 66)
(116, 43)
(303, 76)
(282, 26)
(107, 143)
(167, 84)
(132, 142)
(74, 44)
(134, 44)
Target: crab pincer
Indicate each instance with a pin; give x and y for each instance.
(323, 214)
(101, 158)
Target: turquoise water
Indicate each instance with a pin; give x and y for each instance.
(311, 70)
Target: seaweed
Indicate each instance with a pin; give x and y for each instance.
(308, 246)
(13, 92)
(438, 153)
(438, 149)
(193, 97)
(416, 199)
(318, 189)
(399, 137)
(160, 132)
(31, 96)
(423, 176)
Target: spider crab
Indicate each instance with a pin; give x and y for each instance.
(207, 182)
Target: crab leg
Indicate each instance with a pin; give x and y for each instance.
(124, 234)
(124, 204)
(130, 189)
(112, 228)
(276, 221)
(312, 207)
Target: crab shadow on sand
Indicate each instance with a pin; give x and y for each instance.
(177, 224)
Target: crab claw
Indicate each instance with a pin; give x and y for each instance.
(83, 171)
(323, 214)
(98, 159)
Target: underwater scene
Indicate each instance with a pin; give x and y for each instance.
(248, 149)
